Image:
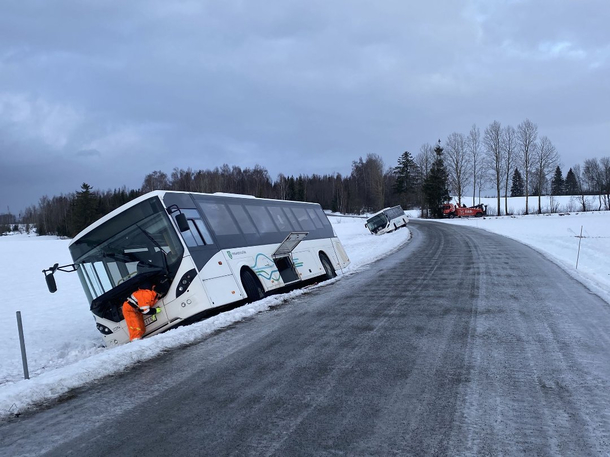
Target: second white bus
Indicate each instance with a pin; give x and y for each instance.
(387, 220)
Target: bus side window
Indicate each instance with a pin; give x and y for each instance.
(314, 217)
(221, 221)
(262, 219)
(322, 217)
(198, 234)
(303, 218)
(292, 219)
(280, 219)
(242, 219)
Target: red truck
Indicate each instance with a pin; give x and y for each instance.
(451, 210)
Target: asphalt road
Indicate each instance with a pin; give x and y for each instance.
(461, 343)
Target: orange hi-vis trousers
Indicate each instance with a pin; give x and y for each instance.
(140, 302)
(134, 320)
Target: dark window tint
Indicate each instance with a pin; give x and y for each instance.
(220, 220)
(314, 217)
(303, 218)
(322, 217)
(292, 219)
(244, 222)
(280, 219)
(192, 236)
(261, 219)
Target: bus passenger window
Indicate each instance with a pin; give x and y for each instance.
(280, 219)
(292, 219)
(261, 219)
(219, 217)
(303, 218)
(322, 217)
(314, 218)
(242, 219)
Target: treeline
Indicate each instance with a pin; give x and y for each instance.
(514, 161)
(367, 188)
(517, 161)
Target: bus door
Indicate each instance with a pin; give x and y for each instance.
(283, 257)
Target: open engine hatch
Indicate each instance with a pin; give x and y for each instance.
(283, 256)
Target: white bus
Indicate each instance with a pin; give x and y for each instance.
(387, 220)
(201, 251)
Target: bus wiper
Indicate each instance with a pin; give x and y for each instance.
(120, 256)
(150, 237)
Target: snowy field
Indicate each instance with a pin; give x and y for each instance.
(64, 349)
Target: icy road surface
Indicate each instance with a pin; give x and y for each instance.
(463, 342)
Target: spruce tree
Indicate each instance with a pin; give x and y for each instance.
(406, 178)
(571, 184)
(435, 187)
(518, 187)
(557, 184)
(84, 209)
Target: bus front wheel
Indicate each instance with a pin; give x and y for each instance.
(329, 270)
(252, 286)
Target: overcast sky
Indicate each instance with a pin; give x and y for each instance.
(105, 92)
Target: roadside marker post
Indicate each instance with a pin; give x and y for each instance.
(24, 359)
(579, 240)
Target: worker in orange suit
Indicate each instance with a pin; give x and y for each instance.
(141, 302)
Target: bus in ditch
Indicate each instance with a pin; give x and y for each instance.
(201, 252)
(387, 220)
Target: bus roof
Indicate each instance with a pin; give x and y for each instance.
(161, 194)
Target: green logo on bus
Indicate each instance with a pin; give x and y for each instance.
(230, 255)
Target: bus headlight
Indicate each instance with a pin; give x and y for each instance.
(185, 282)
(103, 329)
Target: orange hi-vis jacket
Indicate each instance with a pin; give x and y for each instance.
(141, 302)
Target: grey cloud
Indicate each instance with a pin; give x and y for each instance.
(298, 87)
(89, 153)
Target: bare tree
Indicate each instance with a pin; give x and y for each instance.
(459, 164)
(546, 159)
(157, 180)
(425, 158)
(367, 180)
(424, 161)
(592, 172)
(604, 163)
(580, 186)
(527, 134)
(282, 186)
(182, 179)
(473, 145)
(510, 153)
(492, 140)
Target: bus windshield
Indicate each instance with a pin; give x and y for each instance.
(377, 222)
(131, 246)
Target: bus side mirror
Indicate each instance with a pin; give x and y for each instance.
(51, 284)
(183, 224)
(48, 276)
(50, 279)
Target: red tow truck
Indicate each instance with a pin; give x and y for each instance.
(451, 210)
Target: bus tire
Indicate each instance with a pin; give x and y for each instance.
(252, 286)
(329, 270)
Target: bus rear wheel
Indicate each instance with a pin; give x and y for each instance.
(252, 286)
(329, 270)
